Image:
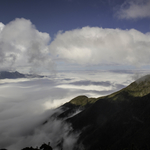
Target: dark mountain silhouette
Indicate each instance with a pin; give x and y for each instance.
(15, 75)
(11, 75)
(118, 121)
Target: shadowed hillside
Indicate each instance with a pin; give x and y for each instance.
(118, 121)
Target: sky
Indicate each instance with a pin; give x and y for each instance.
(85, 47)
(38, 36)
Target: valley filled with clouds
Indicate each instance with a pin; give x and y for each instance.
(25, 104)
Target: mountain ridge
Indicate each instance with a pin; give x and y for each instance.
(116, 121)
(16, 75)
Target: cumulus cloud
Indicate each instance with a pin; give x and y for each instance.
(1, 26)
(134, 9)
(23, 46)
(94, 45)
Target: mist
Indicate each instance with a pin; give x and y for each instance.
(23, 111)
(25, 104)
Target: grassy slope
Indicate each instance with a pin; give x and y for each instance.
(117, 121)
(139, 88)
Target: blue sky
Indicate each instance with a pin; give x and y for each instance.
(54, 15)
(57, 19)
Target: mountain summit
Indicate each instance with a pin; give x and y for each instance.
(139, 88)
(16, 75)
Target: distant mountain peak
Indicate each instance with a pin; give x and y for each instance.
(11, 75)
(16, 74)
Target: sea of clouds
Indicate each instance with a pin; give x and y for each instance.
(25, 104)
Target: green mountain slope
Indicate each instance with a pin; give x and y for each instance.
(139, 88)
(118, 121)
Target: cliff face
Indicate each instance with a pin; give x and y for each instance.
(117, 121)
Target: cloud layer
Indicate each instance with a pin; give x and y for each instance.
(134, 9)
(30, 102)
(94, 45)
(23, 46)
(28, 105)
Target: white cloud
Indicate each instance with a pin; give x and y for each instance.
(22, 46)
(134, 9)
(89, 87)
(94, 45)
(1, 26)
